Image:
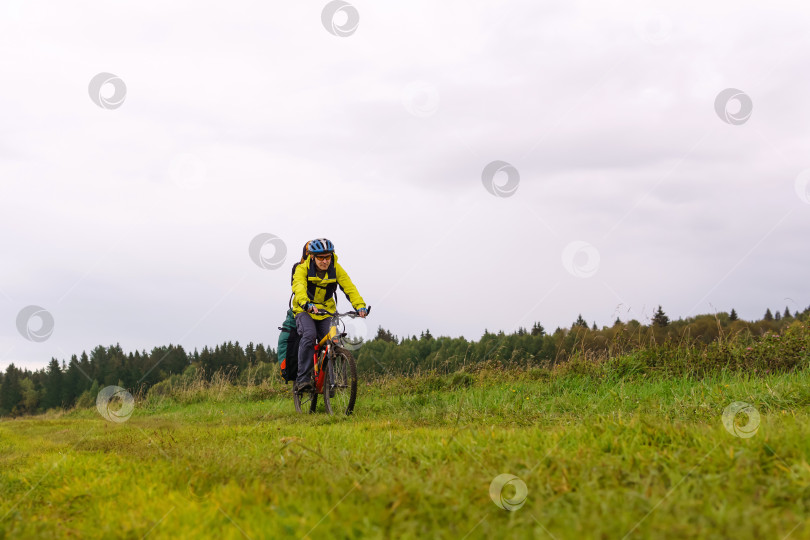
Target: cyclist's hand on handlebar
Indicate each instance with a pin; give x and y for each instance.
(312, 308)
(362, 312)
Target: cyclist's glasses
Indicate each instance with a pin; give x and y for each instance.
(323, 257)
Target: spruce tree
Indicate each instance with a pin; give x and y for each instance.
(385, 335)
(777, 317)
(660, 318)
(261, 354)
(787, 313)
(733, 316)
(580, 322)
(768, 315)
(53, 386)
(10, 390)
(86, 369)
(71, 383)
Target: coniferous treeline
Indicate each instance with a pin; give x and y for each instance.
(78, 381)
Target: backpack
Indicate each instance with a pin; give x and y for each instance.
(288, 341)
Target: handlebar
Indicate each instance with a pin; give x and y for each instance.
(351, 314)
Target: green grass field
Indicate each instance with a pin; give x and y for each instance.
(600, 458)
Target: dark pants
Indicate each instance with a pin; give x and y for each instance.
(310, 331)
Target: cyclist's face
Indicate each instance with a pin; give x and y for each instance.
(323, 261)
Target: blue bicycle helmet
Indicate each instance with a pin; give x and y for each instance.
(321, 245)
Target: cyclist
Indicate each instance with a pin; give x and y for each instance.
(314, 283)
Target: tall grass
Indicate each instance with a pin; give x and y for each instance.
(737, 353)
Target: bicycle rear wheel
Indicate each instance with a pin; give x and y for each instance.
(306, 401)
(340, 392)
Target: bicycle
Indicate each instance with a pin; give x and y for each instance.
(334, 372)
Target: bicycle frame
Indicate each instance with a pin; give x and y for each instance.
(331, 337)
(318, 360)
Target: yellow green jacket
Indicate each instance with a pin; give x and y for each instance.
(308, 287)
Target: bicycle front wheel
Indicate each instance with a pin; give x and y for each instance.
(305, 401)
(340, 392)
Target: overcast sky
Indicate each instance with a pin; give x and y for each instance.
(624, 183)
